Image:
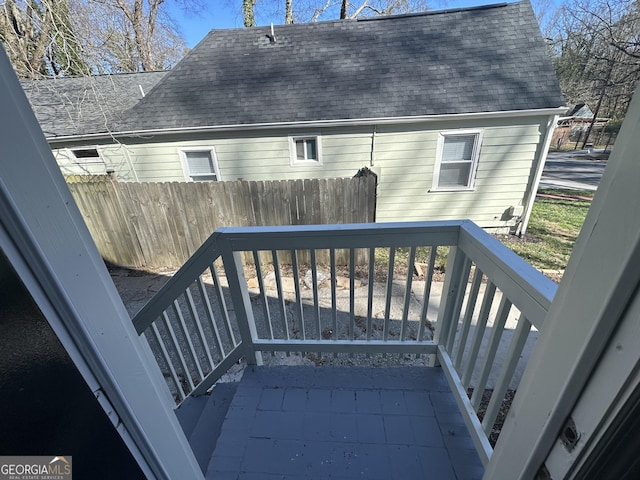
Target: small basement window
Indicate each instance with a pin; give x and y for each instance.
(87, 155)
(456, 160)
(305, 150)
(200, 165)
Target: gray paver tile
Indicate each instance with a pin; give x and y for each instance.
(368, 401)
(464, 456)
(393, 402)
(271, 399)
(345, 460)
(344, 428)
(343, 401)
(371, 429)
(436, 463)
(374, 462)
(405, 461)
(258, 455)
(468, 472)
(418, 403)
(426, 432)
(223, 463)
(318, 400)
(223, 476)
(398, 430)
(278, 425)
(456, 436)
(317, 427)
(295, 400)
(443, 402)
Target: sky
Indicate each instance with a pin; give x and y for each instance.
(218, 14)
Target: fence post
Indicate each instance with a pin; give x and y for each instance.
(241, 303)
(457, 272)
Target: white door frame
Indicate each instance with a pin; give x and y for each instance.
(599, 284)
(46, 241)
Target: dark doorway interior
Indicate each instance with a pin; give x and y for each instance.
(46, 408)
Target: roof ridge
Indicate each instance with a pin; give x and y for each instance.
(436, 12)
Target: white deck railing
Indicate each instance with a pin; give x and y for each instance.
(208, 316)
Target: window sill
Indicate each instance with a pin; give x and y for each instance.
(449, 190)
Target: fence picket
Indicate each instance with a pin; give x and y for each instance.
(162, 224)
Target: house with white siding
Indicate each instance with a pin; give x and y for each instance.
(453, 110)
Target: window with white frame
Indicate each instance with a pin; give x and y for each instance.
(457, 160)
(200, 164)
(305, 150)
(86, 155)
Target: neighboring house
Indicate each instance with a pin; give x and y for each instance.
(73, 107)
(573, 126)
(453, 110)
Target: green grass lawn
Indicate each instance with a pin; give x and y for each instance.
(553, 228)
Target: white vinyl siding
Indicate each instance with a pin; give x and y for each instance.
(456, 160)
(305, 150)
(404, 157)
(200, 165)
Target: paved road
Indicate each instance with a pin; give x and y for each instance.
(572, 171)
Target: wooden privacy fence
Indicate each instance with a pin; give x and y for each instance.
(162, 224)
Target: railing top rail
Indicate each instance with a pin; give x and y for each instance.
(192, 268)
(357, 235)
(527, 288)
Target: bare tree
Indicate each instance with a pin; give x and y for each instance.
(112, 43)
(78, 37)
(40, 39)
(596, 49)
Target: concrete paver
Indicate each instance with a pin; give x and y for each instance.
(345, 422)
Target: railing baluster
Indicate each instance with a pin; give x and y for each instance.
(427, 291)
(407, 293)
(334, 301)
(372, 271)
(389, 293)
(518, 342)
(455, 285)
(263, 292)
(296, 286)
(490, 352)
(485, 310)
(241, 303)
(222, 302)
(457, 306)
(316, 302)
(352, 292)
(176, 349)
(196, 320)
(209, 312)
(167, 359)
(177, 310)
(281, 304)
(468, 316)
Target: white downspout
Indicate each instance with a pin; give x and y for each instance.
(542, 159)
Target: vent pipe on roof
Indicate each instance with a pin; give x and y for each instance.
(273, 35)
(141, 90)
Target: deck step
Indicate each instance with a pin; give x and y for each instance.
(202, 418)
(189, 412)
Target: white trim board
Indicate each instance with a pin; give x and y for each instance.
(51, 249)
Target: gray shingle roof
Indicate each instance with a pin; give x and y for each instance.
(459, 61)
(79, 105)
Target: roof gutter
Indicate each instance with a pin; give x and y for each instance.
(313, 124)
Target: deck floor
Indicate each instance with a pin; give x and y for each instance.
(345, 423)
